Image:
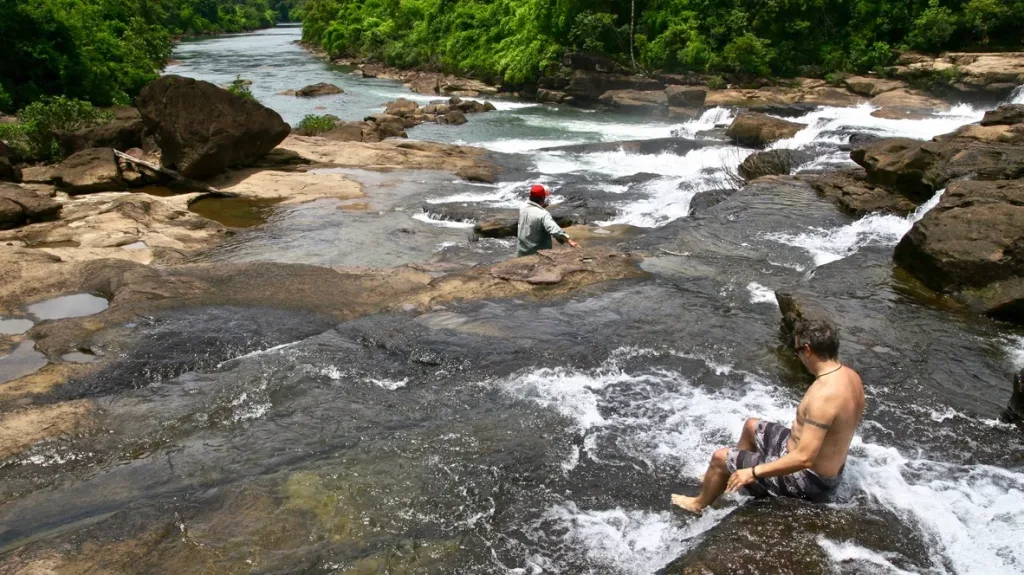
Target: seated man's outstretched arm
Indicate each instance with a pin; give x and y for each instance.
(817, 420)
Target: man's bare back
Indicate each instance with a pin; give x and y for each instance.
(844, 390)
(806, 461)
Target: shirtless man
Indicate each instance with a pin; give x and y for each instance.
(808, 462)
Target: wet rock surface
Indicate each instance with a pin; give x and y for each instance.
(772, 163)
(203, 129)
(854, 194)
(973, 240)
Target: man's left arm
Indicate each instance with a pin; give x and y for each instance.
(817, 421)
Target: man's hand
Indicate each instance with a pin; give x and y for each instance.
(740, 479)
(573, 244)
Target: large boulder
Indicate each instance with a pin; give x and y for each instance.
(125, 131)
(870, 86)
(21, 205)
(88, 171)
(972, 243)
(635, 101)
(759, 130)
(850, 191)
(772, 163)
(8, 171)
(993, 74)
(401, 107)
(319, 89)
(903, 104)
(592, 85)
(1007, 115)
(918, 169)
(686, 96)
(203, 129)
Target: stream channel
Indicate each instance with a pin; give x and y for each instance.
(539, 437)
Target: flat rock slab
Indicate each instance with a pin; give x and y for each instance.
(291, 187)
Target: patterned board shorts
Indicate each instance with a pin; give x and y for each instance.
(770, 439)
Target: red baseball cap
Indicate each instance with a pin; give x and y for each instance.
(539, 192)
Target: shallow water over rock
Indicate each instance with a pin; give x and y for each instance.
(76, 305)
(21, 361)
(530, 436)
(235, 212)
(15, 326)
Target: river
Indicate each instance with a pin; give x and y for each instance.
(524, 437)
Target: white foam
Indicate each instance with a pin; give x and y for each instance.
(710, 119)
(1017, 97)
(626, 541)
(1015, 351)
(428, 219)
(519, 146)
(761, 294)
(605, 131)
(390, 384)
(859, 118)
(849, 552)
(830, 245)
(974, 513)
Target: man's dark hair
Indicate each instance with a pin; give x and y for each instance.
(819, 335)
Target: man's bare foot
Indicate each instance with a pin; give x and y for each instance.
(688, 503)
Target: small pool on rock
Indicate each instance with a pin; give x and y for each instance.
(24, 360)
(235, 212)
(76, 305)
(15, 326)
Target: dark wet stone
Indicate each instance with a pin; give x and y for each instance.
(1015, 410)
(773, 163)
(704, 201)
(193, 340)
(786, 536)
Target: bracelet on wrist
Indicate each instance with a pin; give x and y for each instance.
(753, 471)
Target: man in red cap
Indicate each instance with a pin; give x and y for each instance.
(536, 226)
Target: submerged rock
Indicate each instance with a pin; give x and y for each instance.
(203, 129)
(319, 89)
(972, 242)
(20, 205)
(758, 130)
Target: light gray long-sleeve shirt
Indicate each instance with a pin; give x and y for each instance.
(536, 227)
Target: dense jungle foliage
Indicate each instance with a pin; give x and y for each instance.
(104, 51)
(517, 40)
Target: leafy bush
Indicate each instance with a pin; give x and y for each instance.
(933, 28)
(749, 54)
(35, 135)
(240, 88)
(314, 125)
(716, 82)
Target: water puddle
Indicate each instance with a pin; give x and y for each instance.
(16, 326)
(136, 246)
(24, 360)
(235, 212)
(159, 191)
(78, 357)
(77, 305)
